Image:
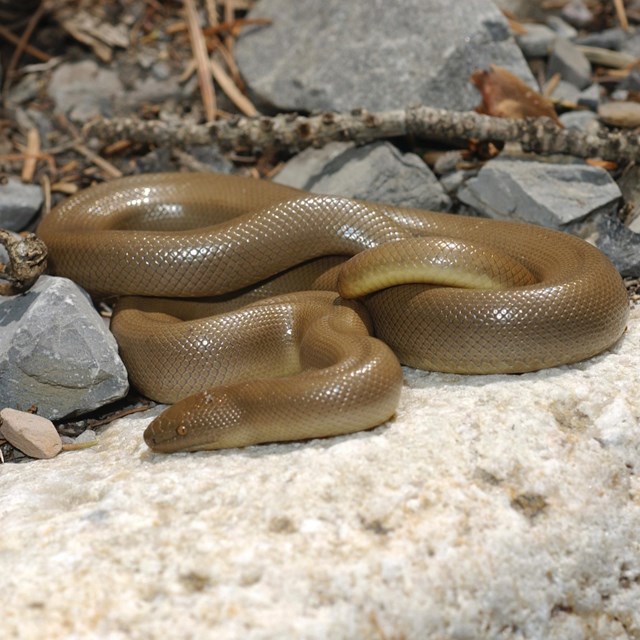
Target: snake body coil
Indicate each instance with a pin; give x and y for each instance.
(444, 292)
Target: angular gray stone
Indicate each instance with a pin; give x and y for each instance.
(19, 203)
(537, 41)
(56, 353)
(580, 120)
(562, 28)
(376, 54)
(590, 97)
(566, 92)
(83, 90)
(307, 166)
(570, 63)
(377, 172)
(548, 194)
(613, 39)
(620, 244)
(577, 14)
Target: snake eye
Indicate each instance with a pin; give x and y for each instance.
(182, 430)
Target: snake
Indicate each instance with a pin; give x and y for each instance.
(262, 313)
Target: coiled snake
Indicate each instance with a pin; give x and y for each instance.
(440, 292)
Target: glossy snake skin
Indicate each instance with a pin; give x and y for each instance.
(503, 297)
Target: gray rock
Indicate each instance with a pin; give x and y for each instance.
(549, 194)
(19, 203)
(570, 63)
(152, 90)
(83, 90)
(524, 9)
(306, 167)
(632, 45)
(613, 39)
(377, 172)
(590, 97)
(620, 244)
(566, 92)
(562, 28)
(56, 353)
(580, 120)
(577, 14)
(629, 183)
(374, 54)
(537, 41)
(630, 83)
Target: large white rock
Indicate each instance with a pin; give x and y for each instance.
(491, 507)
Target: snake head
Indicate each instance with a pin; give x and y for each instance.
(201, 421)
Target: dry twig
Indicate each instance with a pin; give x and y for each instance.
(621, 13)
(201, 57)
(20, 48)
(293, 133)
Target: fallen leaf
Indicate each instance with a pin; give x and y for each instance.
(504, 95)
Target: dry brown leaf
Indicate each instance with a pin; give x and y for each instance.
(504, 95)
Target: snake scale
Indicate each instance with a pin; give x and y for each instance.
(238, 306)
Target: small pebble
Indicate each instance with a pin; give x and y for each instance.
(620, 114)
(34, 435)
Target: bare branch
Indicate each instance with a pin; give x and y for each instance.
(293, 132)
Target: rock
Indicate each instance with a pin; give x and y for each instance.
(307, 166)
(566, 92)
(631, 44)
(630, 83)
(620, 114)
(580, 120)
(19, 204)
(56, 353)
(34, 435)
(377, 172)
(490, 507)
(151, 90)
(629, 183)
(590, 97)
(562, 29)
(86, 437)
(537, 41)
(83, 90)
(613, 39)
(524, 9)
(336, 55)
(570, 63)
(620, 244)
(549, 194)
(577, 14)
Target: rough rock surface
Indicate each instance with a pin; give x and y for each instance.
(539, 192)
(415, 52)
(377, 172)
(19, 203)
(620, 243)
(56, 352)
(69, 88)
(497, 507)
(570, 63)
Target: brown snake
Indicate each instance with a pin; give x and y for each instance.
(443, 292)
